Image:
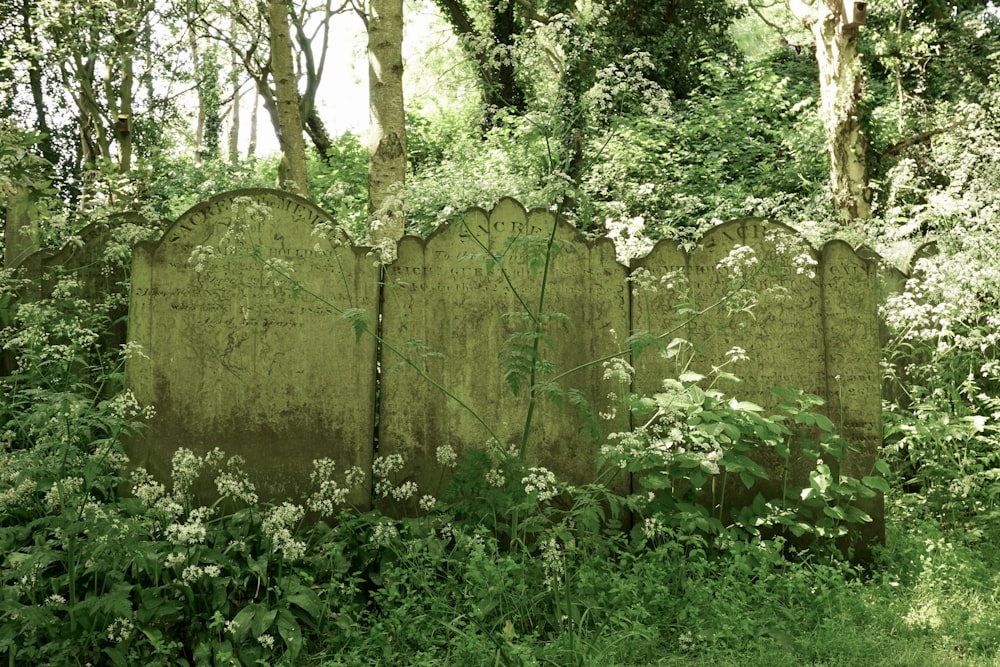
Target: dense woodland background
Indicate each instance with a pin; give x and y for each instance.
(876, 122)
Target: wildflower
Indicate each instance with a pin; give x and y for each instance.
(404, 491)
(446, 456)
(267, 641)
(552, 562)
(739, 261)
(329, 495)
(277, 525)
(618, 370)
(384, 534)
(652, 528)
(174, 558)
(192, 531)
(736, 354)
(355, 476)
(234, 483)
(185, 467)
(495, 478)
(427, 503)
(541, 481)
(120, 630)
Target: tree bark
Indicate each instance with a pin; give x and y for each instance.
(289, 122)
(387, 147)
(840, 80)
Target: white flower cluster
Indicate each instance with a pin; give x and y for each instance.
(200, 256)
(120, 629)
(382, 468)
(65, 287)
(153, 494)
(126, 406)
(234, 483)
(629, 236)
(553, 562)
(404, 491)
(618, 369)
(495, 478)
(446, 456)
(193, 530)
(540, 481)
(740, 261)
(805, 264)
(427, 503)
(279, 524)
(652, 528)
(193, 573)
(63, 489)
(384, 534)
(736, 354)
(328, 495)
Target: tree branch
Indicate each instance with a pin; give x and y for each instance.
(920, 138)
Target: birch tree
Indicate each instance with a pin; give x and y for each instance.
(835, 27)
(387, 145)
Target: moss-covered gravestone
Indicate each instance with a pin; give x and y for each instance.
(774, 312)
(236, 357)
(463, 317)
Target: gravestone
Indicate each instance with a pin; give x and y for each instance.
(99, 278)
(806, 319)
(454, 311)
(237, 357)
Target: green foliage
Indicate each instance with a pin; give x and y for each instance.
(339, 184)
(678, 36)
(749, 145)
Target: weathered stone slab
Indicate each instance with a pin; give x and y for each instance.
(801, 318)
(237, 358)
(853, 371)
(445, 300)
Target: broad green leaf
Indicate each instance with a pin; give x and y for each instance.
(878, 483)
(691, 376)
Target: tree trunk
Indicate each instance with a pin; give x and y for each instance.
(234, 80)
(252, 143)
(840, 79)
(387, 147)
(293, 148)
(199, 128)
(35, 82)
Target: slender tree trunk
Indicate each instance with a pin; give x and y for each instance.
(294, 177)
(234, 80)
(36, 85)
(252, 144)
(387, 146)
(840, 79)
(199, 127)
